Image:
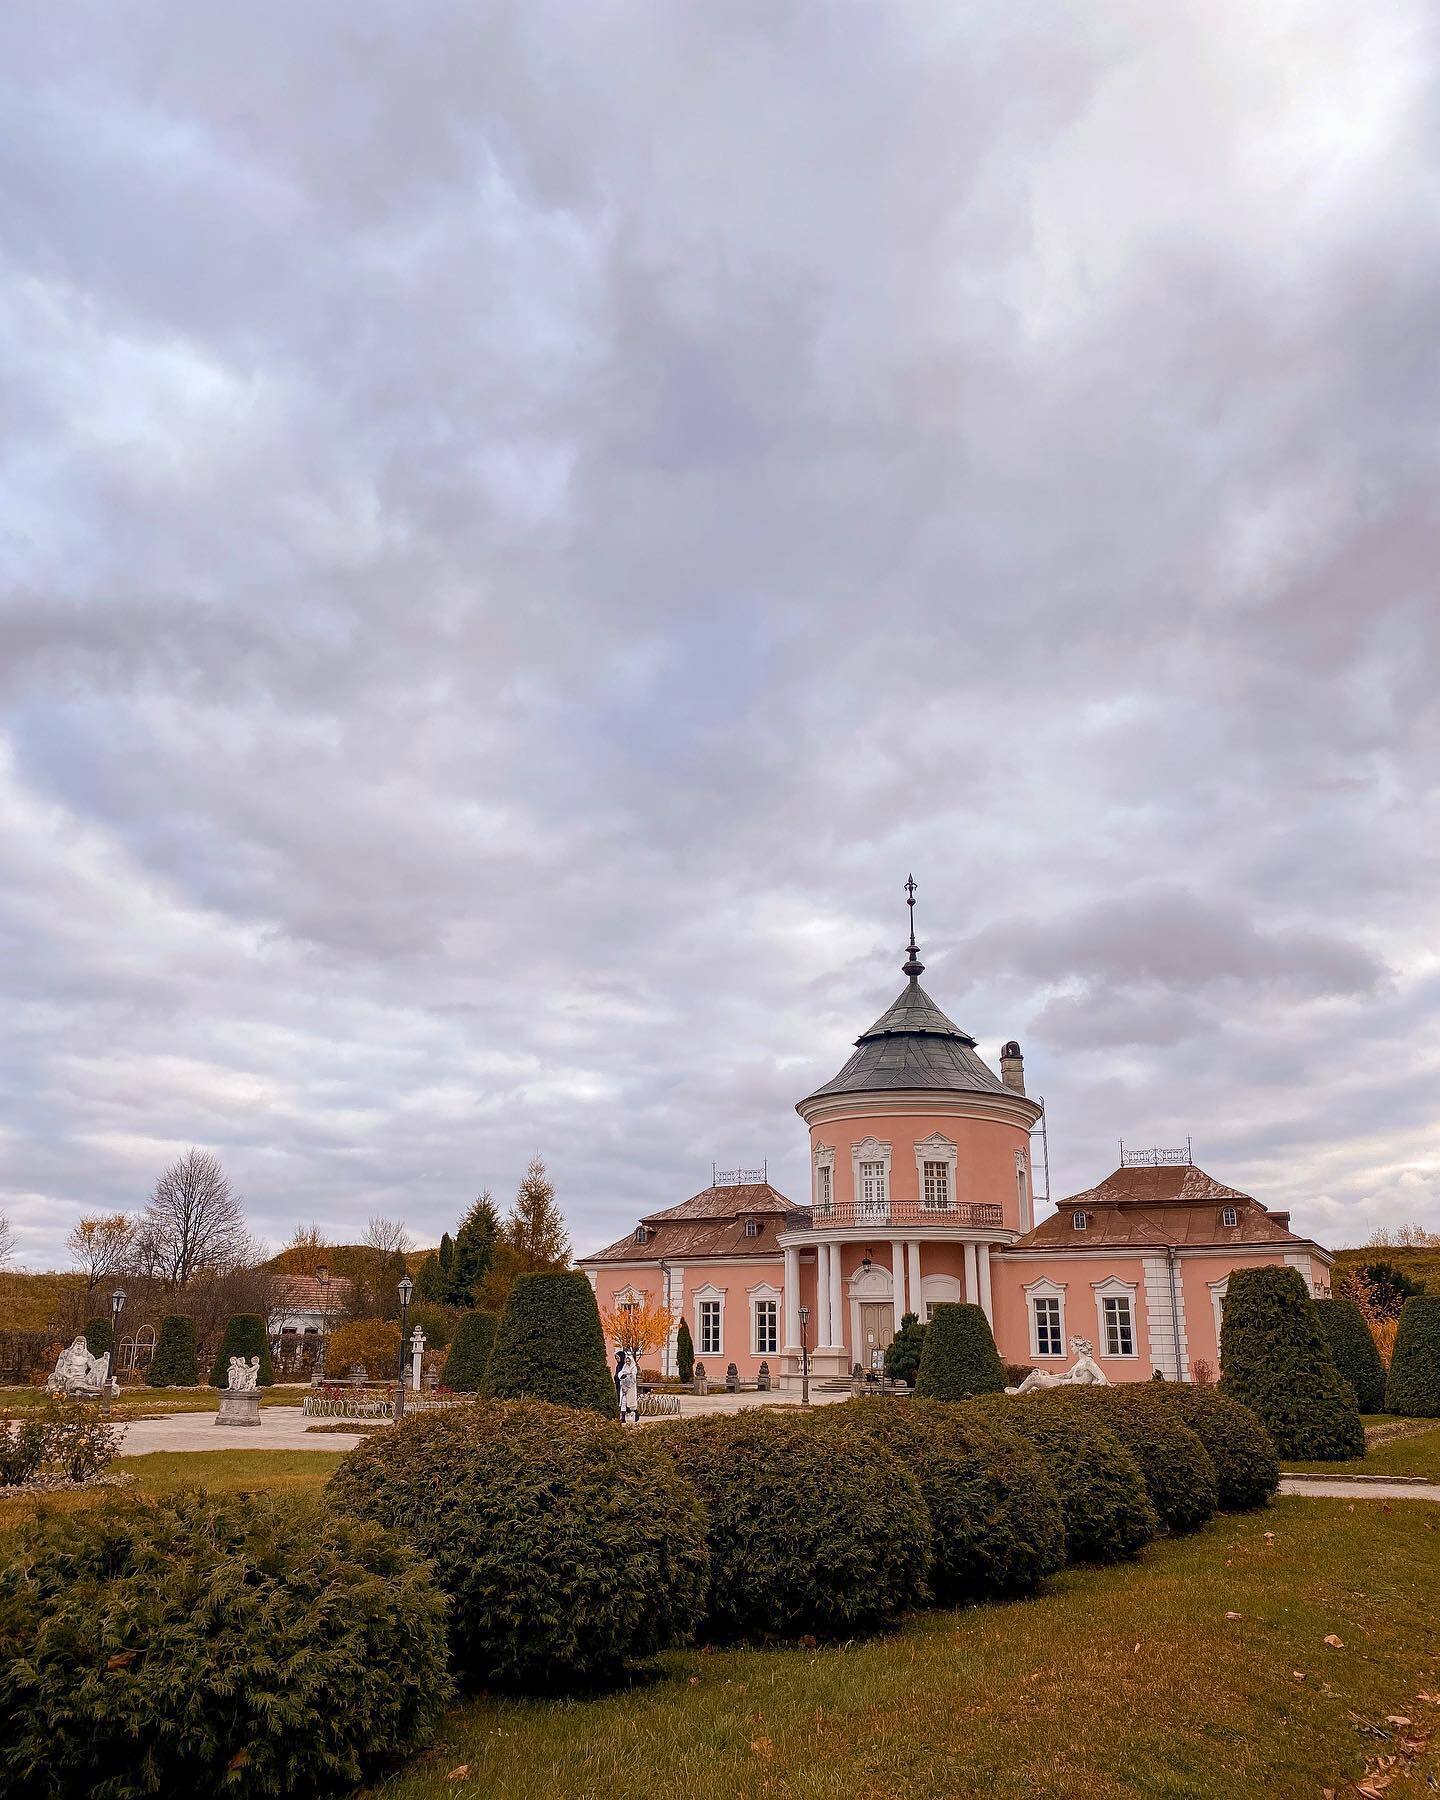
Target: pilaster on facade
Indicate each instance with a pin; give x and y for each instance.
(1165, 1316)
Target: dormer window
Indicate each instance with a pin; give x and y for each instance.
(752, 1228)
(1229, 1217)
(642, 1234)
(1081, 1221)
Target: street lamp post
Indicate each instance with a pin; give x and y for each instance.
(322, 1275)
(804, 1355)
(406, 1289)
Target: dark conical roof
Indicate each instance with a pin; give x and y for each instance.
(913, 1045)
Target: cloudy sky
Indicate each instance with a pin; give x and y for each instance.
(520, 525)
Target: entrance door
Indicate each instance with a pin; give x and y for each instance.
(877, 1327)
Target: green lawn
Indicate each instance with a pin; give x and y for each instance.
(1416, 1454)
(266, 1471)
(1122, 1681)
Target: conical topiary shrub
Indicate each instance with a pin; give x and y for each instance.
(1354, 1351)
(244, 1336)
(470, 1353)
(549, 1345)
(1413, 1389)
(1274, 1359)
(175, 1363)
(685, 1352)
(959, 1359)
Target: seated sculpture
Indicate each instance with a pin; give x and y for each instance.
(78, 1372)
(243, 1376)
(1083, 1372)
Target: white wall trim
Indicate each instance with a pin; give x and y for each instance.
(709, 1292)
(937, 1290)
(1300, 1260)
(874, 1284)
(1218, 1290)
(1113, 1288)
(869, 1150)
(936, 1148)
(1043, 1288)
(1024, 1197)
(821, 1157)
(765, 1290)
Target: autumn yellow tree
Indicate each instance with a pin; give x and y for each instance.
(641, 1326)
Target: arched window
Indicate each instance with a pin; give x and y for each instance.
(1081, 1221)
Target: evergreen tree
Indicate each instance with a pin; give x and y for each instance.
(174, 1363)
(1274, 1359)
(535, 1229)
(550, 1346)
(1354, 1351)
(472, 1252)
(1391, 1287)
(244, 1336)
(685, 1352)
(1414, 1386)
(470, 1353)
(427, 1282)
(98, 1336)
(902, 1356)
(958, 1358)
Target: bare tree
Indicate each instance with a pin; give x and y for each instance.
(388, 1236)
(194, 1221)
(102, 1246)
(7, 1240)
(305, 1250)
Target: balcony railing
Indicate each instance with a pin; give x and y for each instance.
(972, 1214)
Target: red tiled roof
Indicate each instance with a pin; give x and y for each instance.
(1170, 1205)
(711, 1223)
(303, 1293)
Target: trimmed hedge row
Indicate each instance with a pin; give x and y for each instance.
(1107, 1512)
(567, 1545)
(199, 1644)
(1413, 1389)
(1174, 1464)
(809, 1531)
(995, 1522)
(1247, 1470)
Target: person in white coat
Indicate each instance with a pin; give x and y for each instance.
(629, 1389)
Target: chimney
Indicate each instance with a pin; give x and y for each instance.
(1012, 1067)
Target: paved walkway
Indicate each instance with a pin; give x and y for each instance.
(280, 1428)
(1358, 1487)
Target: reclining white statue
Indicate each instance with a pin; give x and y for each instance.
(78, 1372)
(1083, 1372)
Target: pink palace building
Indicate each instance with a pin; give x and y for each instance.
(921, 1193)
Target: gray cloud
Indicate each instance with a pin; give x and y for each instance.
(516, 537)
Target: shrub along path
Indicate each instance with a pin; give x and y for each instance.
(1123, 1680)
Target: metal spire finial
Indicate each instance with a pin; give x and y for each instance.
(912, 966)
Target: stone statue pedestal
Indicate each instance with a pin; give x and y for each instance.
(238, 1406)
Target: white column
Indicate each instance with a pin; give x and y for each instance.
(417, 1357)
(917, 1293)
(837, 1300)
(984, 1257)
(822, 1295)
(897, 1279)
(792, 1298)
(972, 1279)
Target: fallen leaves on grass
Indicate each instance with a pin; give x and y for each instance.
(1334, 1642)
(459, 1774)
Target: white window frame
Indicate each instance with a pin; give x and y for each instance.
(765, 1295)
(1080, 1219)
(752, 1228)
(1115, 1289)
(1229, 1218)
(822, 1194)
(1045, 1289)
(709, 1295)
(871, 1150)
(1022, 1192)
(936, 1290)
(937, 1148)
(1218, 1291)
